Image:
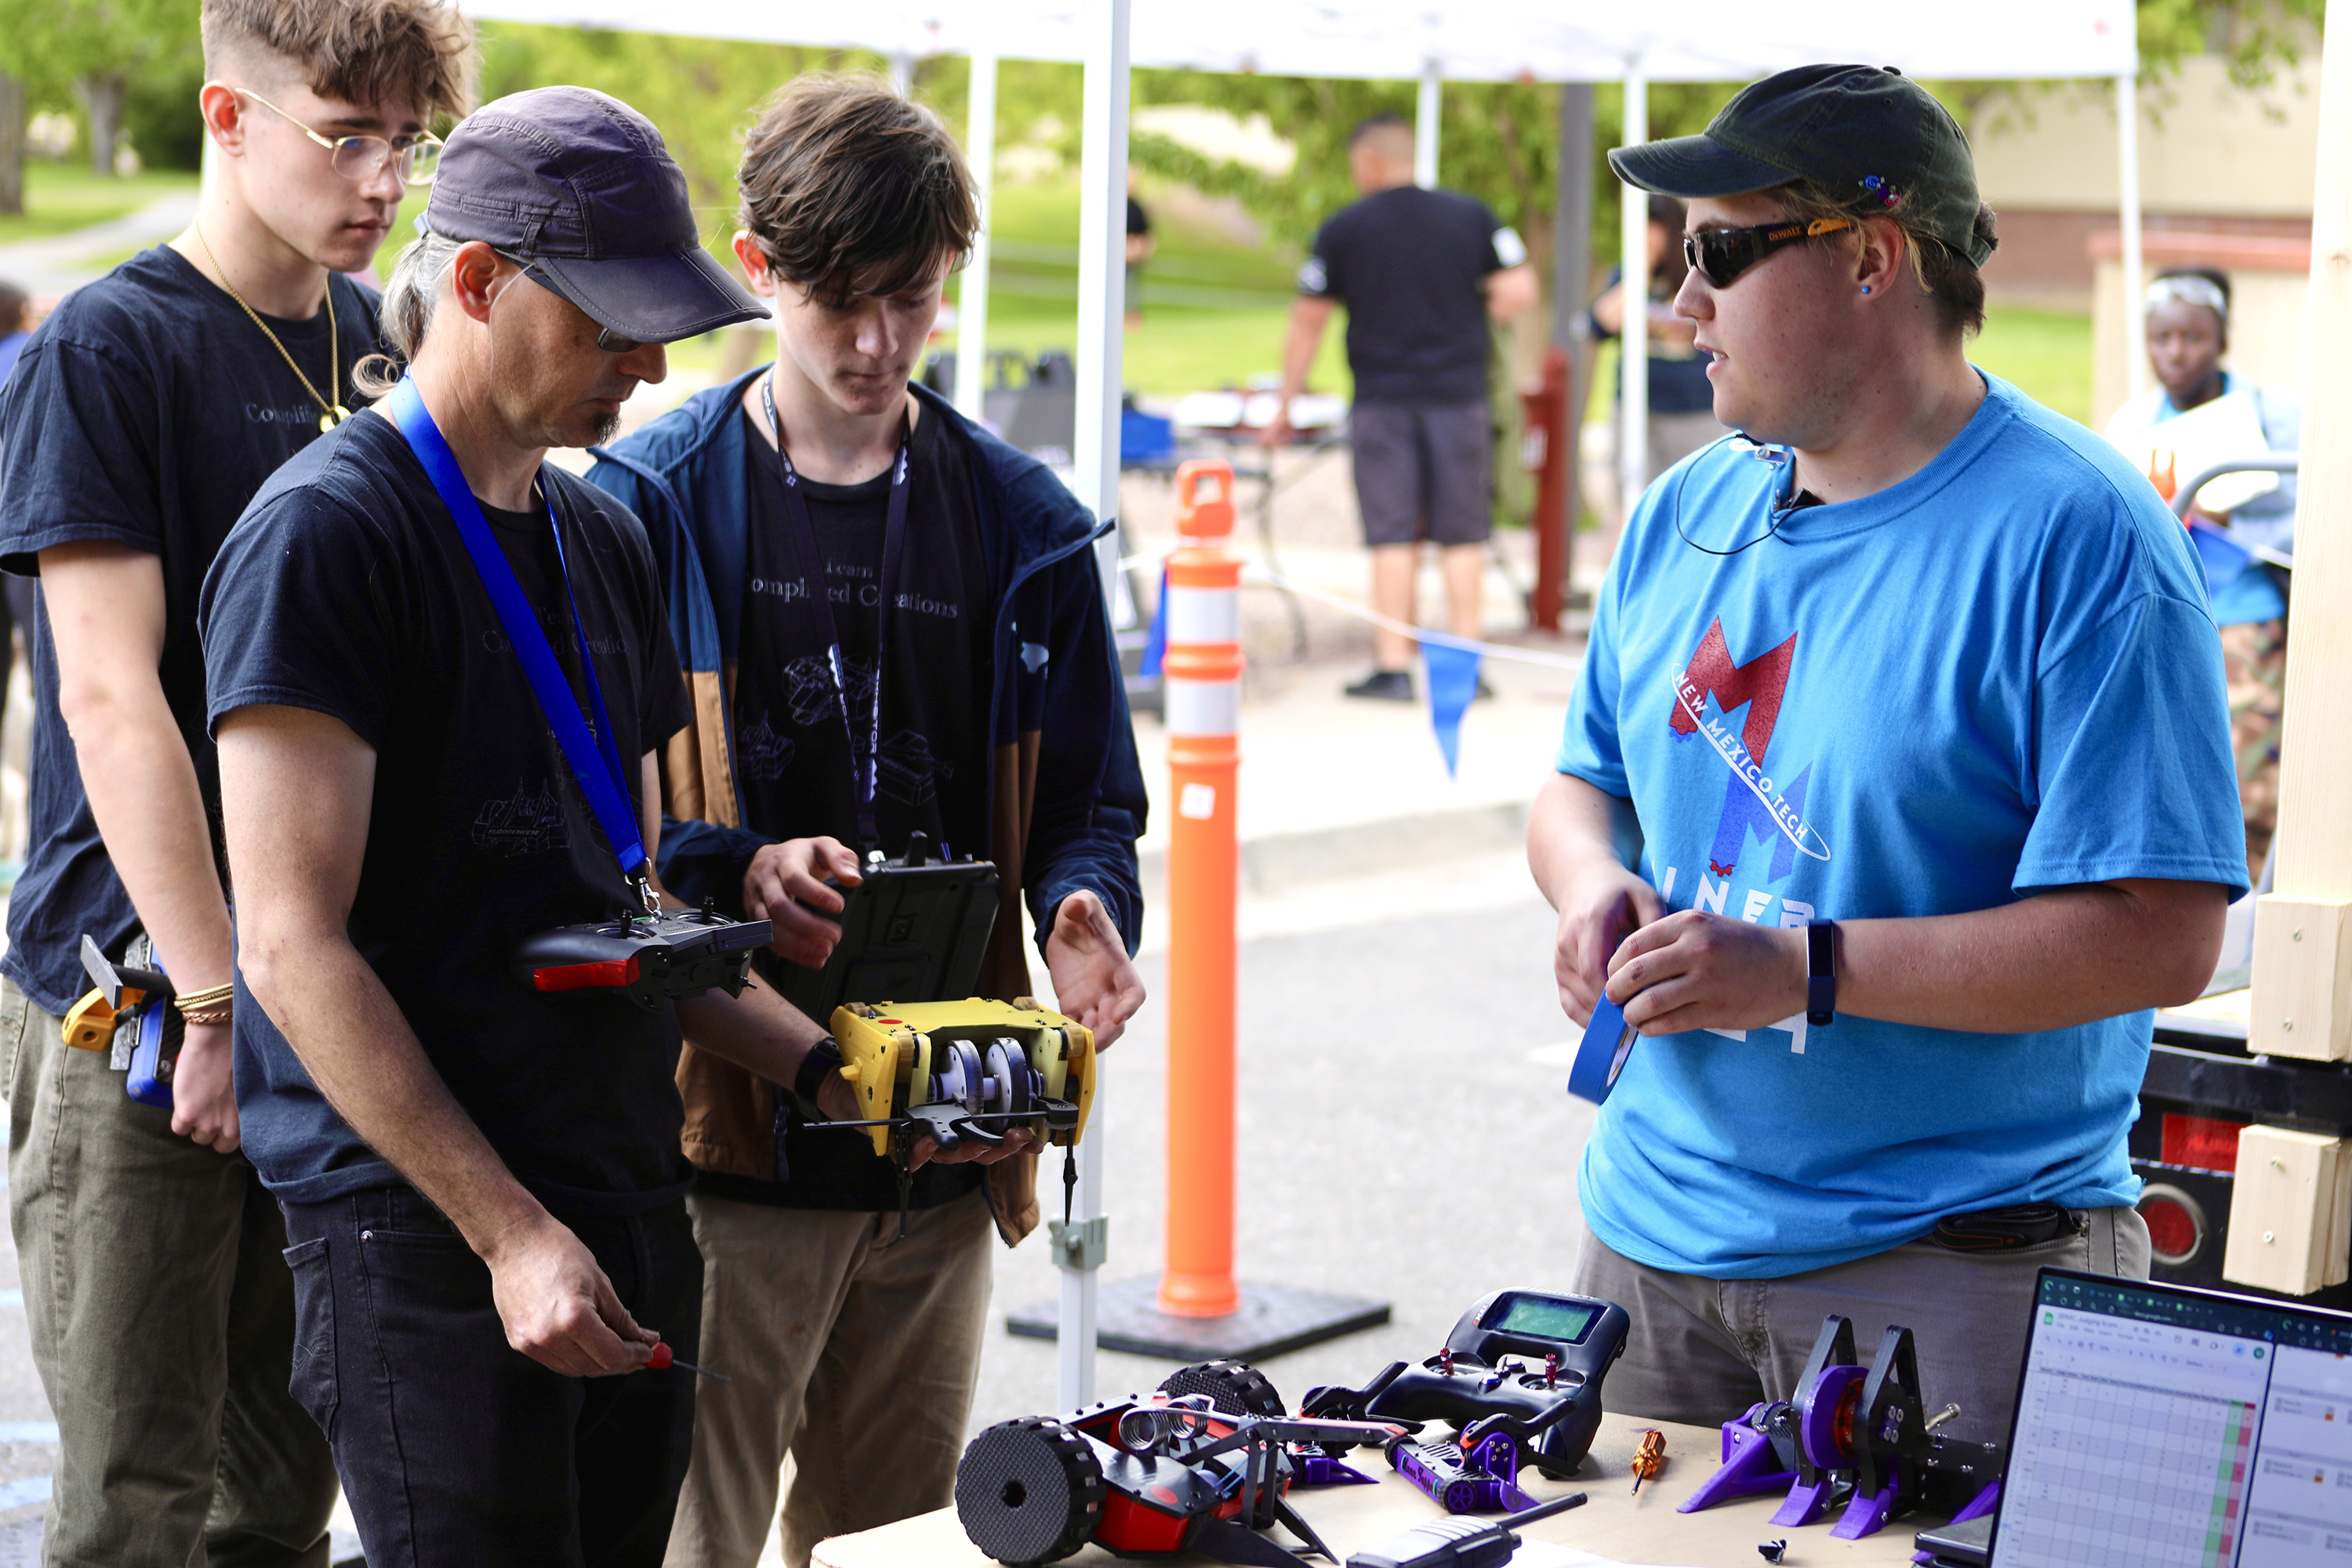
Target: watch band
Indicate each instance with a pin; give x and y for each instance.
(824, 1056)
(1821, 972)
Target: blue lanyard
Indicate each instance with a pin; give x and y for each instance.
(894, 543)
(596, 762)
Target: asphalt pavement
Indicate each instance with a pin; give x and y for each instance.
(1404, 1131)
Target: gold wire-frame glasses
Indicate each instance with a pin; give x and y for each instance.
(418, 158)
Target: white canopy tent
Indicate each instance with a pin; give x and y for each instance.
(1426, 41)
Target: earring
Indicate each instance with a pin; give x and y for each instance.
(1865, 288)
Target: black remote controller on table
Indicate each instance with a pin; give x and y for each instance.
(1549, 1402)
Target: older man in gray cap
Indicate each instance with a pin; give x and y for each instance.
(408, 636)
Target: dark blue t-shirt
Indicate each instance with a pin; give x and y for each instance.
(145, 411)
(346, 590)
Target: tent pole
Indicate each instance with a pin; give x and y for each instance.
(1102, 319)
(1572, 275)
(1634, 328)
(1424, 125)
(2127, 212)
(971, 292)
(2302, 992)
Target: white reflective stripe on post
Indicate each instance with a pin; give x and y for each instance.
(1203, 708)
(1203, 615)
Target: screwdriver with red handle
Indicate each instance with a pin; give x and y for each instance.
(662, 1358)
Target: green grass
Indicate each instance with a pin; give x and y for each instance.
(2046, 354)
(1213, 308)
(62, 197)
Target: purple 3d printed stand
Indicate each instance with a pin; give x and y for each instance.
(1856, 1437)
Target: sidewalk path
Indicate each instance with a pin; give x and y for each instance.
(65, 261)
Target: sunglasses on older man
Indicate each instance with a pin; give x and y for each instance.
(1721, 254)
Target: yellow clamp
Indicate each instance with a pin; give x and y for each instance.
(90, 1024)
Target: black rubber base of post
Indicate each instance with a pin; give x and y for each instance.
(1273, 1321)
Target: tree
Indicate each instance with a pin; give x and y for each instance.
(14, 117)
(94, 49)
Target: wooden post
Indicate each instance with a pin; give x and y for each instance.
(2301, 1003)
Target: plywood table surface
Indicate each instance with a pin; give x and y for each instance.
(1614, 1523)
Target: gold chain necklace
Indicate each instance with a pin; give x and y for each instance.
(332, 413)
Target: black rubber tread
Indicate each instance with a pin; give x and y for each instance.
(1232, 1386)
(1029, 1491)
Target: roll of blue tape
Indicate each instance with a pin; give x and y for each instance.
(1608, 1042)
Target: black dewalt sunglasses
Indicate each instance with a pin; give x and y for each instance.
(1721, 254)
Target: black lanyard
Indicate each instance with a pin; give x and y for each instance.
(894, 543)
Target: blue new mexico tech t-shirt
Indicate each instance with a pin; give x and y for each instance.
(1997, 677)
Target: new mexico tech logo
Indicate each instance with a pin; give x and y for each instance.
(1755, 805)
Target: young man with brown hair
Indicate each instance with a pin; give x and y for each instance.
(142, 415)
(977, 653)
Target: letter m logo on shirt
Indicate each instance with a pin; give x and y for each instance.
(1758, 685)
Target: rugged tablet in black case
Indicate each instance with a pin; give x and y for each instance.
(914, 931)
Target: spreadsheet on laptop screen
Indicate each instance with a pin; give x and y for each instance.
(2164, 1428)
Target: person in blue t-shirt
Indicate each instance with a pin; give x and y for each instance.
(1913, 687)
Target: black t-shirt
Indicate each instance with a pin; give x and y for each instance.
(1408, 264)
(795, 760)
(346, 589)
(145, 411)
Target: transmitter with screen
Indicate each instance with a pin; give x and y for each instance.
(1523, 1363)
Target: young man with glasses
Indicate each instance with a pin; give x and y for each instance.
(439, 670)
(143, 416)
(1897, 790)
(980, 655)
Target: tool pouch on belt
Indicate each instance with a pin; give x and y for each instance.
(2004, 1229)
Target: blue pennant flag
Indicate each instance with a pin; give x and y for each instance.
(1452, 682)
(1155, 641)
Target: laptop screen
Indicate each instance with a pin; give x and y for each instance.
(2163, 1427)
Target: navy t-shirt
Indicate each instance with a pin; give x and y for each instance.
(795, 760)
(145, 411)
(346, 590)
(1410, 264)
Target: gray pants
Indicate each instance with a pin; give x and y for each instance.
(1702, 1350)
(163, 1323)
(1424, 471)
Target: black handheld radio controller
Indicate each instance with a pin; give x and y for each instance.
(1526, 1362)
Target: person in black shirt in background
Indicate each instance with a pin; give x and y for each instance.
(469, 1167)
(1421, 272)
(992, 688)
(138, 421)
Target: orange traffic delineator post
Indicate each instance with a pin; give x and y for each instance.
(1195, 1311)
(1203, 696)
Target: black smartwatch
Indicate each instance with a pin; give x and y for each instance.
(824, 1056)
(1821, 972)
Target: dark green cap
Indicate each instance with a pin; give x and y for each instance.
(1865, 130)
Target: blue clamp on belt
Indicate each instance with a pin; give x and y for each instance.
(1608, 1045)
